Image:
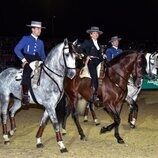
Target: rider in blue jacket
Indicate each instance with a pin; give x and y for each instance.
(29, 48)
(113, 51)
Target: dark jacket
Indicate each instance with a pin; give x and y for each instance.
(88, 48)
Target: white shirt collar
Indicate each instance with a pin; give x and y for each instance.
(34, 36)
(96, 44)
(115, 47)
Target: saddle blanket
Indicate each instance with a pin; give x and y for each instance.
(85, 72)
(35, 66)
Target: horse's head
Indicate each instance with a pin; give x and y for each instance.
(69, 60)
(151, 68)
(139, 69)
(80, 58)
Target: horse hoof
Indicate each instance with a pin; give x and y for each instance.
(97, 124)
(40, 145)
(103, 130)
(64, 150)
(85, 120)
(9, 134)
(132, 126)
(120, 141)
(63, 134)
(83, 138)
(7, 142)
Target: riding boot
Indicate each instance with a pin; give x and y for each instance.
(25, 96)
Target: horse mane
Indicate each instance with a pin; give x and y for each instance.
(121, 55)
(51, 52)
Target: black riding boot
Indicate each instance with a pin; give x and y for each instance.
(25, 97)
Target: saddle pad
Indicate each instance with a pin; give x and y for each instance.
(85, 73)
(34, 65)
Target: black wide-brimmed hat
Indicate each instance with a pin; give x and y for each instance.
(94, 29)
(36, 24)
(115, 38)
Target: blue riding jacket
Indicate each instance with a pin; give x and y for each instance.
(29, 45)
(112, 52)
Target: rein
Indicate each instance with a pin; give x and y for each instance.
(120, 76)
(59, 75)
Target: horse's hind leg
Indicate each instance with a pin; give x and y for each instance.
(86, 113)
(16, 106)
(93, 114)
(132, 117)
(4, 108)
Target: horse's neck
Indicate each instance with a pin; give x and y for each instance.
(53, 62)
(119, 72)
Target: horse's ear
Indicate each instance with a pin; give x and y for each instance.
(65, 41)
(75, 42)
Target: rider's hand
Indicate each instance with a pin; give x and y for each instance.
(87, 59)
(24, 63)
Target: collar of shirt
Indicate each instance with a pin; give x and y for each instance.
(96, 44)
(115, 47)
(34, 36)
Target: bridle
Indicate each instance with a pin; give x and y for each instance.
(46, 68)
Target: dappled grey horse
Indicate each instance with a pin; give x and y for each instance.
(58, 64)
(133, 91)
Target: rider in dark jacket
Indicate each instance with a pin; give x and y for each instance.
(92, 50)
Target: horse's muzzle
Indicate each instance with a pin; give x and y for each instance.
(71, 73)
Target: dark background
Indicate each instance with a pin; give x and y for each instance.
(130, 19)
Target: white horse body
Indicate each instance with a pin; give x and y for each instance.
(152, 63)
(47, 94)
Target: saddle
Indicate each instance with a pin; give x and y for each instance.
(100, 71)
(36, 68)
(85, 72)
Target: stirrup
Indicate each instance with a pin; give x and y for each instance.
(94, 98)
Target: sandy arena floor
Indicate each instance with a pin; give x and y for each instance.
(141, 142)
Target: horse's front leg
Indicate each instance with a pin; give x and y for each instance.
(39, 134)
(115, 125)
(53, 117)
(132, 118)
(16, 106)
(116, 131)
(76, 120)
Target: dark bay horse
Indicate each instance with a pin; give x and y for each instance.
(113, 89)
